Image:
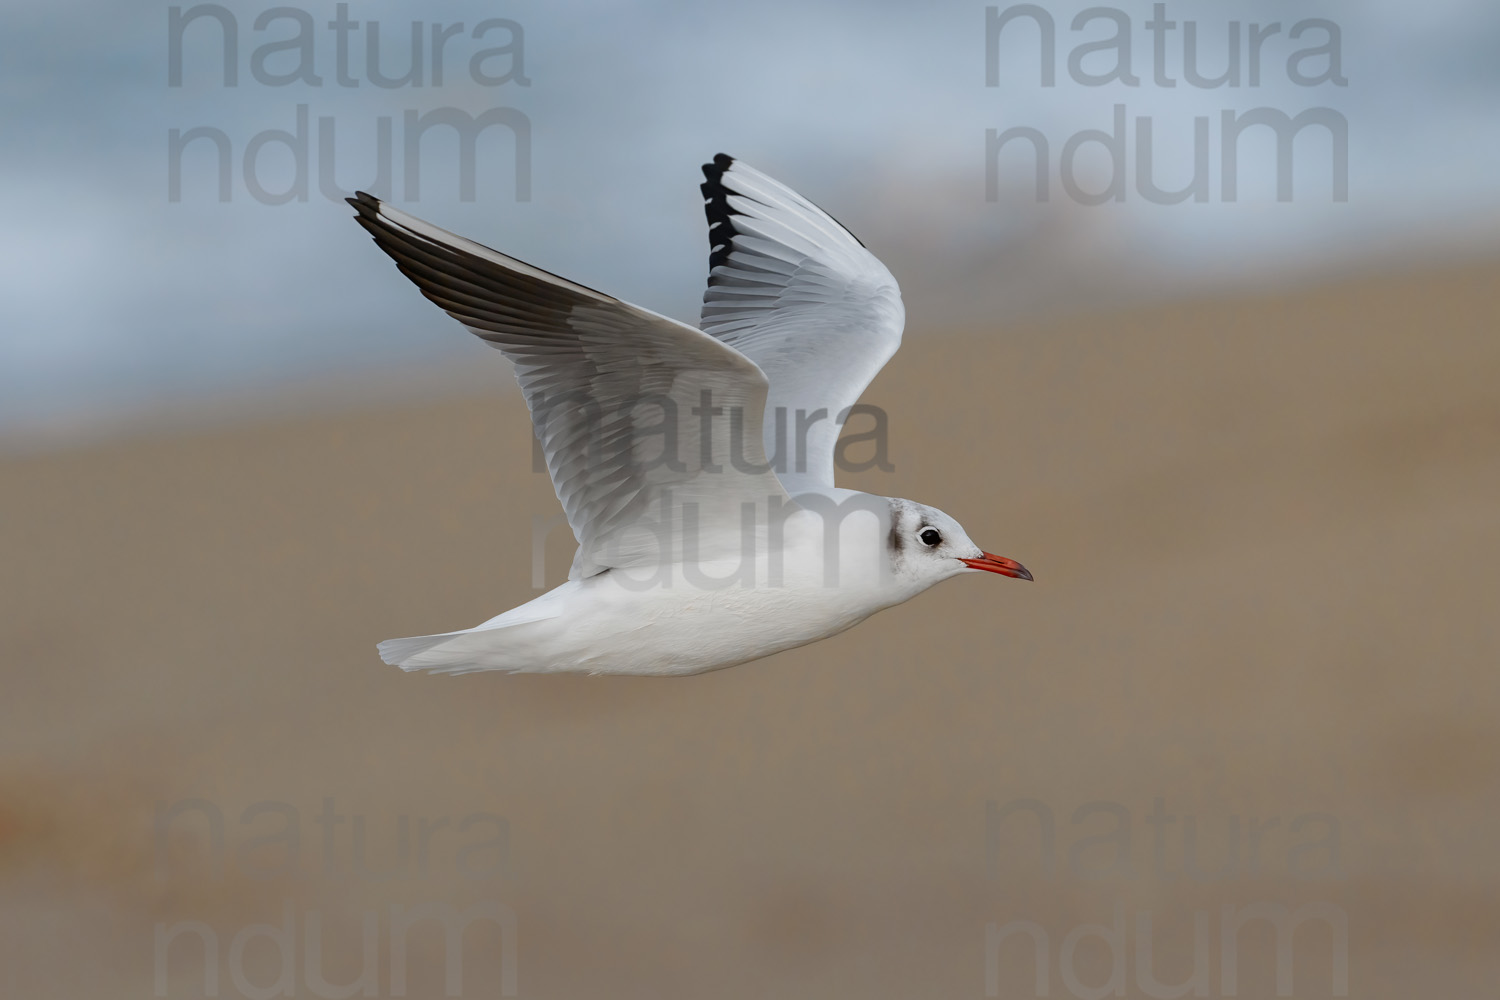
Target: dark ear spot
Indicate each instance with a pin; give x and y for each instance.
(894, 541)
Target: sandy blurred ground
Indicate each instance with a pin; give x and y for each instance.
(1265, 537)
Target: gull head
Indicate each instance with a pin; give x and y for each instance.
(927, 546)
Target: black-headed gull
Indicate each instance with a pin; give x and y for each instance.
(695, 551)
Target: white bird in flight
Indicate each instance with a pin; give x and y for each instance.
(695, 551)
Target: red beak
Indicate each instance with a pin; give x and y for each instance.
(998, 564)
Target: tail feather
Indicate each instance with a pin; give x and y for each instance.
(507, 647)
(515, 641)
(404, 652)
(452, 653)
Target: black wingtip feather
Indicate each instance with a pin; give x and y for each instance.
(721, 227)
(716, 207)
(366, 206)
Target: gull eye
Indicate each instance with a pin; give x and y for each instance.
(930, 536)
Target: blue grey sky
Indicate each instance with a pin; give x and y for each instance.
(117, 299)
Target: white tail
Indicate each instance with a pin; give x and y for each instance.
(505, 642)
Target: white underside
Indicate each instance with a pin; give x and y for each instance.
(681, 618)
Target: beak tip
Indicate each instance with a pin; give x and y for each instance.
(1001, 565)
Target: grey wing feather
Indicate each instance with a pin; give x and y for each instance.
(799, 295)
(601, 378)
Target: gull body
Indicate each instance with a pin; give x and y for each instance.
(695, 551)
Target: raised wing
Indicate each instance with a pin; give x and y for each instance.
(795, 292)
(617, 395)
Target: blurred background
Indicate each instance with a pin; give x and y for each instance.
(1246, 440)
